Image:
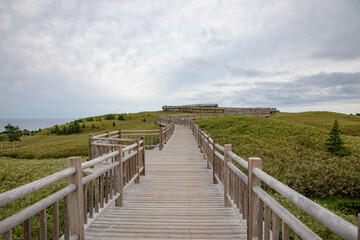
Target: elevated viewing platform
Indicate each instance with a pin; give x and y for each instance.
(175, 200)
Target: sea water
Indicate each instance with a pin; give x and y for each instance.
(33, 124)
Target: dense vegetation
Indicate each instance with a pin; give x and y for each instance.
(292, 146)
(294, 153)
(55, 142)
(349, 124)
(293, 149)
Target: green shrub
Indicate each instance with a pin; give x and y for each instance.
(334, 143)
(109, 117)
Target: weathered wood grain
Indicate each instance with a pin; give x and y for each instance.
(176, 199)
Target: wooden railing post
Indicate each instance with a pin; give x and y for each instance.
(119, 179)
(75, 199)
(160, 139)
(358, 226)
(91, 152)
(119, 133)
(209, 153)
(227, 147)
(255, 215)
(215, 141)
(143, 155)
(137, 161)
(204, 145)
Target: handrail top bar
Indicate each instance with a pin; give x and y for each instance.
(238, 172)
(338, 225)
(221, 148)
(299, 228)
(220, 156)
(130, 147)
(114, 139)
(127, 131)
(97, 160)
(96, 174)
(127, 157)
(30, 211)
(238, 159)
(19, 192)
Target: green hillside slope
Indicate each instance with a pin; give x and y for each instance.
(292, 152)
(349, 124)
(51, 145)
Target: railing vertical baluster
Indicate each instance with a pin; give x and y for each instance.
(143, 156)
(358, 226)
(267, 223)
(215, 141)
(111, 181)
(254, 202)
(84, 187)
(55, 211)
(227, 147)
(210, 154)
(285, 231)
(102, 191)
(137, 161)
(43, 235)
(106, 187)
(118, 175)
(91, 199)
(97, 188)
(66, 218)
(7, 235)
(275, 227)
(76, 210)
(160, 139)
(27, 229)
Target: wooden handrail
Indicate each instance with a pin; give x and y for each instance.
(338, 225)
(29, 188)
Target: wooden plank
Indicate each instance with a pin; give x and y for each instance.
(267, 223)
(91, 199)
(66, 219)
(176, 199)
(285, 231)
(27, 229)
(254, 202)
(43, 235)
(75, 199)
(275, 227)
(55, 212)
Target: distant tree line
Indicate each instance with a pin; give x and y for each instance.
(73, 127)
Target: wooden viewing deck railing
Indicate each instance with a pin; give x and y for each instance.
(120, 161)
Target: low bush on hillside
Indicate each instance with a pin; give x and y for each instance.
(293, 153)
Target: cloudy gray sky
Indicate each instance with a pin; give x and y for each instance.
(82, 58)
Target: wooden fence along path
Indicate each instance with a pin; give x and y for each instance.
(190, 188)
(175, 200)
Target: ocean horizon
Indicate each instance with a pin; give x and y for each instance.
(32, 123)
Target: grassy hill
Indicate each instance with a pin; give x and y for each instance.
(349, 124)
(292, 152)
(292, 147)
(45, 144)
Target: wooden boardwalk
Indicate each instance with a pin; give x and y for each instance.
(175, 200)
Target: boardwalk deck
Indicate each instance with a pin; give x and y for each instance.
(175, 200)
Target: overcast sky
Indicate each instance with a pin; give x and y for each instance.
(82, 58)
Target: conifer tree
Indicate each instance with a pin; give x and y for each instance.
(334, 143)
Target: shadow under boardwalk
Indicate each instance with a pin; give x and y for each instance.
(175, 200)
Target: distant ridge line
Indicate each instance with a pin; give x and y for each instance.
(259, 111)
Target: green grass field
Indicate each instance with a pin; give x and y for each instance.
(292, 147)
(50, 145)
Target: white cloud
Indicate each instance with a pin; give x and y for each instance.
(150, 53)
